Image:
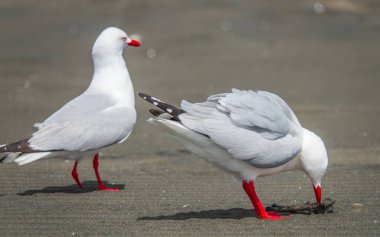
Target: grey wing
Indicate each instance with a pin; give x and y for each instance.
(87, 132)
(263, 111)
(79, 107)
(255, 126)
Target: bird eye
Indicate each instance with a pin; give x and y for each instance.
(124, 39)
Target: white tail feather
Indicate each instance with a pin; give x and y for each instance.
(30, 157)
(10, 157)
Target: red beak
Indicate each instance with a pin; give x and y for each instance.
(134, 43)
(318, 194)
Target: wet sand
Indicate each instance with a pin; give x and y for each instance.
(325, 65)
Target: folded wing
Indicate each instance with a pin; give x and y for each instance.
(256, 126)
(89, 131)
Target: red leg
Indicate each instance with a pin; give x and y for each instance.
(318, 194)
(249, 188)
(74, 173)
(100, 182)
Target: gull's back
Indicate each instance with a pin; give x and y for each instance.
(254, 126)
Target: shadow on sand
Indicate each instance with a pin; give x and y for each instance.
(233, 213)
(88, 187)
(240, 213)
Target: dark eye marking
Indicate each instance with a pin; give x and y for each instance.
(124, 39)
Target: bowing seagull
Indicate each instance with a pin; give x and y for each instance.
(247, 133)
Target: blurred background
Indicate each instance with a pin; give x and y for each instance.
(322, 57)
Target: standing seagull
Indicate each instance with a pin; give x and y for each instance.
(249, 134)
(101, 116)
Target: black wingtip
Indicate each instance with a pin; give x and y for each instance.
(144, 96)
(167, 108)
(20, 146)
(156, 112)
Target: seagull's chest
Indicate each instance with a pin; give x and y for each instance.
(117, 86)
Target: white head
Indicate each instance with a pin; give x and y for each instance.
(314, 160)
(111, 43)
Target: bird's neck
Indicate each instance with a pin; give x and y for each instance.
(313, 156)
(111, 77)
(106, 59)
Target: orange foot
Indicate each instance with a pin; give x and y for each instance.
(272, 216)
(104, 188)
